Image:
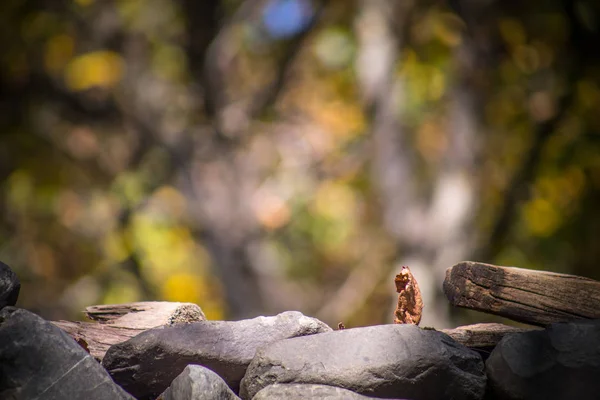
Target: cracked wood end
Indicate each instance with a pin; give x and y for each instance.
(533, 297)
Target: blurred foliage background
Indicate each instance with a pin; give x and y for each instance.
(266, 155)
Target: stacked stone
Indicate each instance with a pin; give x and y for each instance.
(287, 356)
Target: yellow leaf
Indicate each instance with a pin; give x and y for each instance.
(97, 69)
(183, 288)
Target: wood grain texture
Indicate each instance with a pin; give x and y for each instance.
(120, 322)
(482, 335)
(533, 297)
(145, 314)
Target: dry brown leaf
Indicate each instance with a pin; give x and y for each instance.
(410, 303)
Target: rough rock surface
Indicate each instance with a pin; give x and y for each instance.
(40, 361)
(198, 383)
(389, 361)
(559, 362)
(9, 286)
(298, 391)
(146, 364)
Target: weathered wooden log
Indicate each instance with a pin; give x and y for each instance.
(145, 314)
(532, 297)
(120, 322)
(482, 335)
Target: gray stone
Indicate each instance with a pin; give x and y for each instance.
(387, 361)
(9, 286)
(146, 364)
(40, 361)
(198, 383)
(559, 362)
(299, 391)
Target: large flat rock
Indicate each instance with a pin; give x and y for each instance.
(559, 362)
(146, 364)
(40, 361)
(389, 361)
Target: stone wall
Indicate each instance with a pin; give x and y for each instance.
(169, 351)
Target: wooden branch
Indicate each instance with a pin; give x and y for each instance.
(532, 297)
(145, 314)
(121, 322)
(96, 338)
(482, 335)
